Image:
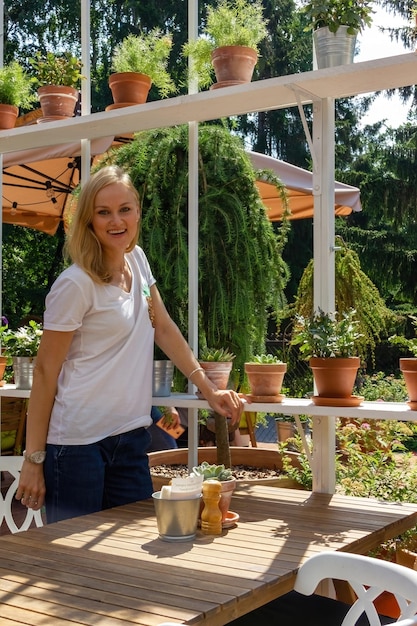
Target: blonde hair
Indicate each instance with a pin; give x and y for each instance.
(82, 245)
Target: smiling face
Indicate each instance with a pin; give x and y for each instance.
(115, 217)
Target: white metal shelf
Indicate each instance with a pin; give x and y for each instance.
(273, 93)
(298, 406)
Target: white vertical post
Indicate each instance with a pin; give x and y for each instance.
(192, 240)
(324, 468)
(1, 164)
(85, 85)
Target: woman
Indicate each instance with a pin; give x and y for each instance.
(90, 402)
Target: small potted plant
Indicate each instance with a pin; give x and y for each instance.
(20, 347)
(335, 25)
(16, 90)
(265, 373)
(138, 62)
(228, 45)
(217, 364)
(408, 365)
(329, 342)
(58, 77)
(228, 485)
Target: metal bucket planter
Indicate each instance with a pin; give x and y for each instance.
(23, 371)
(333, 49)
(163, 373)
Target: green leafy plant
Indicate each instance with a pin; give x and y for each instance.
(229, 23)
(147, 53)
(21, 342)
(410, 344)
(16, 86)
(356, 14)
(217, 472)
(216, 355)
(57, 69)
(383, 387)
(326, 334)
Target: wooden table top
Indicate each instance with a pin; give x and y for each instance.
(111, 569)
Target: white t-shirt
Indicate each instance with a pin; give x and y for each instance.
(105, 385)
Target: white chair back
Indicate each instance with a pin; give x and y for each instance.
(13, 465)
(368, 577)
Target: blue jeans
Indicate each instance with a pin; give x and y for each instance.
(89, 478)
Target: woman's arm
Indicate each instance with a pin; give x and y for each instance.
(171, 341)
(52, 351)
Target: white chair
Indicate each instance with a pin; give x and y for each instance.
(13, 465)
(368, 577)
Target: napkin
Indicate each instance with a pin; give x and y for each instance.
(183, 488)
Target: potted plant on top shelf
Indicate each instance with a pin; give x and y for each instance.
(329, 341)
(138, 62)
(228, 45)
(335, 25)
(58, 77)
(16, 90)
(20, 347)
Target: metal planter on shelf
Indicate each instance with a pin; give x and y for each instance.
(23, 371)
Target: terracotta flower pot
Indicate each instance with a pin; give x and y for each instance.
(128, 88)
(265, 380)
(3, 363)
(8, 116)
(233, 65)
(57, 101)
(218, 372)
(408, 368)
(334, 377)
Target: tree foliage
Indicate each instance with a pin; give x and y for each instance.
(353, 290)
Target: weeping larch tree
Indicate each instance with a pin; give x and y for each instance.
(241, 274)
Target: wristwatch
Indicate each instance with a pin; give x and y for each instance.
(37, 457)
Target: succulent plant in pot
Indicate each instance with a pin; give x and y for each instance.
(265, 373)
(330, 340)
(138, 62)
(217, 364)
(227, 480)
(232, 27)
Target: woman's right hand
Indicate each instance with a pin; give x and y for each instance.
(31, 490)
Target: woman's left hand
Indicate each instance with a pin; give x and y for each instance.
(228, 403)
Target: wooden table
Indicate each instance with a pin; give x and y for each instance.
(111, 569)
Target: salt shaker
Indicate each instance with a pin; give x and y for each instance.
(211, 517)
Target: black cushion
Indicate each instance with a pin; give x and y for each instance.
(296, 609)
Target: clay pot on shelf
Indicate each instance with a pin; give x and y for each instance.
(408, 367)
(233, 65)
(57, 102)
(265, 381)
(128, 88)
(334, 378)
(218, 372)
(8, 116)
